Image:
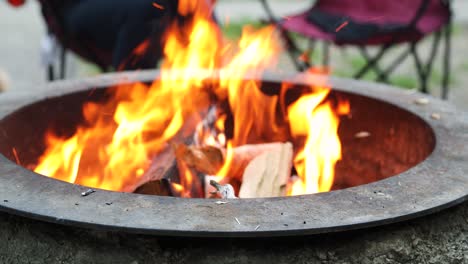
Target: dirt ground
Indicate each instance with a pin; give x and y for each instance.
(439, 238)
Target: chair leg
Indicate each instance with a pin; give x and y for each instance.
(371, 62)
(376, 68)
(446, 60)
(424, 71)
(419, 67)
(269, 11)
(291, 47)
(393, 65)
(311, 49)
(293, 51)
(326, 54)
(63, 63)
(434, 48)
(50, 73)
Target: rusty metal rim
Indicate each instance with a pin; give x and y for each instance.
(439, 182)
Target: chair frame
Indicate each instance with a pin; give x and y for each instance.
(423, 68)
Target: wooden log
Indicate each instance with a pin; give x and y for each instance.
(164, 165)
(267, 175)
(206, 160)
(243, 155)
(209, 160)
(190, 180)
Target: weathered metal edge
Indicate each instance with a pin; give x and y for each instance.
(439, 182)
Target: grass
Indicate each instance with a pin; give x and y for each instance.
(408, 81)
(350, 65)
(233, 30)
(457, 30)
(404, 81)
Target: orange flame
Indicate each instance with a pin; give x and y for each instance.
(114, 147)
(254, 112)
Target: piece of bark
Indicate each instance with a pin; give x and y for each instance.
(157, 179)
(267, 175)
(188, 161)
(206, 159)
(163, 166)
(160, 187)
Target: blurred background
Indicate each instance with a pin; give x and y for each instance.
(22, 30)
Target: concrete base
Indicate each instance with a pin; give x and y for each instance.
(438, 238)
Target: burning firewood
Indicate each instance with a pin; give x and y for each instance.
(156, 181)
(243, 156)
(160, 187)
(206, 159)
(209, 160)
(163, 167)
(171, 162)
(267, 175)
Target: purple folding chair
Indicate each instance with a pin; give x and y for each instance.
(365, 23)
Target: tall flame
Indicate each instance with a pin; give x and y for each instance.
(113, 148)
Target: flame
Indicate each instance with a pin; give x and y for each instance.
(224, 170)
(253, 111)
(314, 117)
(115, 145)
(119, 149)
(315, 162)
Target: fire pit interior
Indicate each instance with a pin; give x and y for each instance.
(378, 139)
(210, 92)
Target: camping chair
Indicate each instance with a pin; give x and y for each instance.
(51, 10)
(378, 23)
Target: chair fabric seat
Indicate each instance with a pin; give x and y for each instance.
(51, 11)
(370, 22)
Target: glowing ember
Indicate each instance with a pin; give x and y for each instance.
(113, 148)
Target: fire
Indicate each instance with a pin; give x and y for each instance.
(315, 162)
(115, 145)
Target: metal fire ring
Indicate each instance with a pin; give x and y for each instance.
(439, 182)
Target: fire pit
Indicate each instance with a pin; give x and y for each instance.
(416, 149)
(375, 156)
